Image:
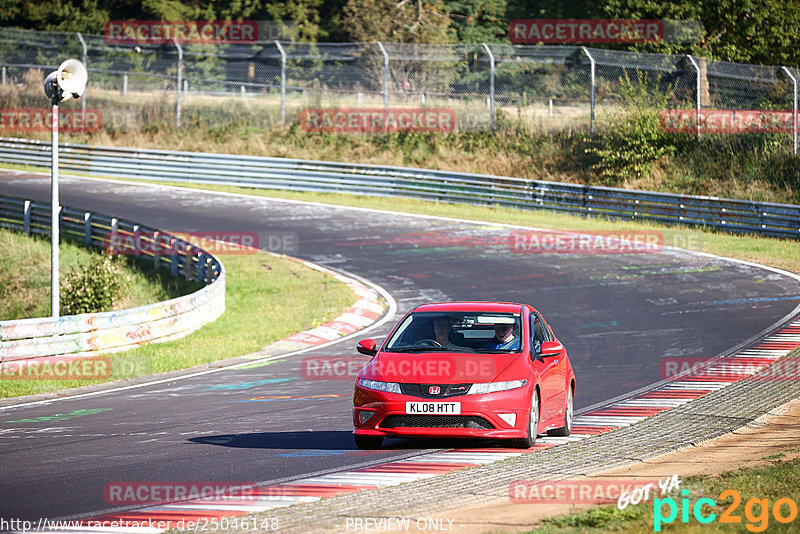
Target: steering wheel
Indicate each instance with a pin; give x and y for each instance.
(430, 342)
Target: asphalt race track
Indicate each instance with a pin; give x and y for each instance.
(618, 315)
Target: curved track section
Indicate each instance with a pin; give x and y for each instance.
(619, 315)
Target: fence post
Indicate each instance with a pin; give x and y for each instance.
(173, 268)
(202, 259)
(114, 231)
(185, 89)
(385, 78)
(794, 105)
(283, 81)
(87, 228)
(85, 64)
(156, 248)
(491, 82)
(591, 97)
(26, 218)
(697, 113)
(4, 74)
(178, 85)
(137, 241)
(124, 85)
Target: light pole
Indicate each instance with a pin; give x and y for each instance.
(69, 81)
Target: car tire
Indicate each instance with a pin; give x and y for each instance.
(533, 424)
(368, 443)
(568, 416)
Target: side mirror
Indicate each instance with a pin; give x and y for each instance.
(551, 348)
(367, 347)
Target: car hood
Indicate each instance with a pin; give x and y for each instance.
(437, 367)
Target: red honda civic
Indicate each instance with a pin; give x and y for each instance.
(468, 370)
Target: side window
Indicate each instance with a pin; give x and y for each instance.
(548, 333)
(538, 334)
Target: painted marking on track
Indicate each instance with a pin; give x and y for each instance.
(271, 398)
(247, 385)
(61, 416)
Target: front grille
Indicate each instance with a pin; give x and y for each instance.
(436, 421)
(423, 390)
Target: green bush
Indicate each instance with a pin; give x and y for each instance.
(93, 289)
(633, 140)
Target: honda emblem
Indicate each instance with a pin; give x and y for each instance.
(434, 390)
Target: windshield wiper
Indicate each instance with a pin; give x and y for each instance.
(421, 349)
(493, 351)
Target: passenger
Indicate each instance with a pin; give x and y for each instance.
(504, 338)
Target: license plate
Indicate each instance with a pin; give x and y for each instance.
(433, 408)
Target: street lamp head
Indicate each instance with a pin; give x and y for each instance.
(69, 81)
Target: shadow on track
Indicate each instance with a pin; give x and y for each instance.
(331, 440)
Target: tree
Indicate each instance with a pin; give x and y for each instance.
(66, 16)
(303, 16)
(406, 21)
(756, 31)
(479, 21)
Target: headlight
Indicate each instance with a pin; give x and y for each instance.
(388, 387)
(491, 387)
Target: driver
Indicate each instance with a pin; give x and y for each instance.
(442, 330)
(504, 338)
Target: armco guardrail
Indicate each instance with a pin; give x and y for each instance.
(79, 335)
(780, 220)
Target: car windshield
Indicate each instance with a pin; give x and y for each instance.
(471, 332)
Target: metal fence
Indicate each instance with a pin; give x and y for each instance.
(781, 220)
(263, 84)
(92, 333)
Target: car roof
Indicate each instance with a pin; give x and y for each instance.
(474, 306)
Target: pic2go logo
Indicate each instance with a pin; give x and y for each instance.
(756, 511)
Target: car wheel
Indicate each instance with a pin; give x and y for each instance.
(533, 424)
(368, 442)
(568, 415)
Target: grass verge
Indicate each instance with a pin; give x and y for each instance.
(268, 298)
(758, 488)
(25, 284)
